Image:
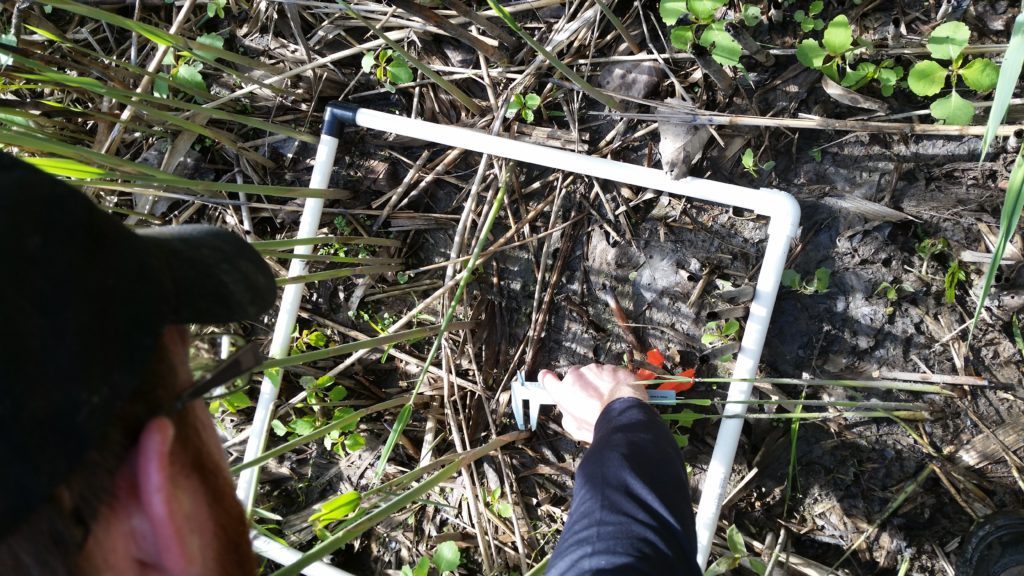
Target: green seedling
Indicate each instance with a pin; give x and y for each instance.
(835, 55)
(750, 163)
(446, 557)
(886, 72)
(891, 293)
(389, 66)
(928, 249)
(498, 506)
(927, 77)
(809, 20)
(818, 285)
(751, 14)
(308, 338)
(736, 557)
(720, 332)
(954, 275)
(215, 8)
(186, 69)
(422, 568)
(524, 106)
(696, 22)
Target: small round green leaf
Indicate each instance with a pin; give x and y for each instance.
(953, 109)
(926, 78)
(724, 48)
(682, 37)
(811, 54)
(355, 442)
(399, 71)
(671, 10)
(189, 76)
(948, 40)
(838, 36)
(532, 101)
(447, 557)
(751, 14)
(704, 10)
(980, 75)
(367, 62)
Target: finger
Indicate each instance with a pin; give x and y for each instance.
(547, 379)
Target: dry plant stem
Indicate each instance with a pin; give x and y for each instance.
(429, 16)
(470, 15)
(147, 81)
(458, 94)
(935, 378)
(620, 318)
(441, 292)
(450, 158)
(699, 119)
(955, 494)
(470, 485)
(626, 35)
(373, 45)
(396, 194)
(896, 502)
(536, 318)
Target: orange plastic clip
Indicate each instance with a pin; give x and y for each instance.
(681, 385)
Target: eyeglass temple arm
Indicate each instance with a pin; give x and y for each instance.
(245, 359)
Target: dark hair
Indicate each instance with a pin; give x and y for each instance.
(51, 541)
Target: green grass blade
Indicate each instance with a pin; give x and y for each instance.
(1012, 205)
(337, 273)
(1009, 72)
(353, 528)
(485, 231)
(268, 245)
(118, 168)
(351, 347)
(161, 36)
(319, 433)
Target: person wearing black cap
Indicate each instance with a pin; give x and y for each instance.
(110, 464)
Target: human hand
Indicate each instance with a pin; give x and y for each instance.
(584, 392)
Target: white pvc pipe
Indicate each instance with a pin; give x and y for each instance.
(781, 207)
(286, 555)
(290, 299)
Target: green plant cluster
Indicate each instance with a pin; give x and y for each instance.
(736, 557)
(388, 66)
(750, 163)
(928, 249)
(817, 285)
(835, 56)
(697, 23)
(524, 106)
(928, 77)
(840, 57)
(446, 559)
(186, 69)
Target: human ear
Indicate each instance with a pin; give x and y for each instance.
(172, 549)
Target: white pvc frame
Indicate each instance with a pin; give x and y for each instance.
(779, 206)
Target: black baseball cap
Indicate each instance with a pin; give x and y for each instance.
(83, 302)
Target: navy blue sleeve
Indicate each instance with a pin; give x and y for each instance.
(631, 511)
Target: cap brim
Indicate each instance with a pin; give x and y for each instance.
(212, 275)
